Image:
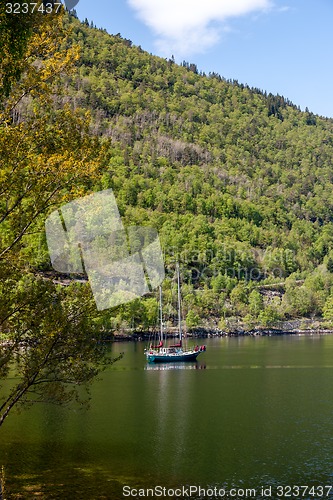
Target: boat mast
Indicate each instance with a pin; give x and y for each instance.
(179, 315)
(161, 316)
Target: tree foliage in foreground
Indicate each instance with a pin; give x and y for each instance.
(46, 158)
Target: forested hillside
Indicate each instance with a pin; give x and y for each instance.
(238, 183)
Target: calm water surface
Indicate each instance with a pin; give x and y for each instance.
(251, 412)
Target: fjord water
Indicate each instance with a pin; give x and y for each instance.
(252, 412)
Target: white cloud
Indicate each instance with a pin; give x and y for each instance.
(284, 8)
(183, 27)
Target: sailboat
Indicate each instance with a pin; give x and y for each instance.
(162, 353)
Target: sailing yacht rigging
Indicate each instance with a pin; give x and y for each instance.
(161, 353)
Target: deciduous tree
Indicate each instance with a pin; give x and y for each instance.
(46, 158)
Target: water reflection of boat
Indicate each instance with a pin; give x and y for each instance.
(175, 366)
(173, 353)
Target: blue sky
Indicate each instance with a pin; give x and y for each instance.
(281, 46)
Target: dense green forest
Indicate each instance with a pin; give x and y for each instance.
(237, 182)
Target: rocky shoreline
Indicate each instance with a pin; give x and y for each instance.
(296, 327)
(203, 333)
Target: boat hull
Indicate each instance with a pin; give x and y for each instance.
(172, 358)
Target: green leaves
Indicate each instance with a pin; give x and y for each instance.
(47, 157)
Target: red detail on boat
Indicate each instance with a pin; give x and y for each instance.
(157, 346)
(176, 345)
